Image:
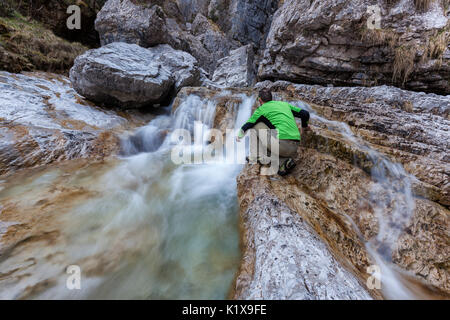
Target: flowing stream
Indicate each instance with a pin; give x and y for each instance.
(147, 229)
(392, 201)
(142, 227)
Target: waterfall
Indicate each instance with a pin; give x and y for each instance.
(391, 199)
(144, 227)
(148, 229)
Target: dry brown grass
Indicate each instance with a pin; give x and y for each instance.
(403, 63)
(423, 5)
(436, 46)
(405, 52)
(380, 37)
(445, 5)
(29, 46)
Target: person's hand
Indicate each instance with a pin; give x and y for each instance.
(306, 130)
(238, 139)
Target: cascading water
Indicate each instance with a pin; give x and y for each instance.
(147, 229)
(143, 227)
(392, 201)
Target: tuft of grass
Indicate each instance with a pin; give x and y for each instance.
(445, 5)
(380, 37)
(422, 5)
(436, 46)
(403, 63)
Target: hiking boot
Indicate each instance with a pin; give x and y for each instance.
(287, 167)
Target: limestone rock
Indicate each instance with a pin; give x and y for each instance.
(181, 65)
(250, 20)
(283, 257)
(236, 70)
(130, 76)
(332, 42)
(43, 120)
(206, 29)
(246, 21)
(190, 8)
(357, 180)
(124, 21)
(213, 40)
(370, 183)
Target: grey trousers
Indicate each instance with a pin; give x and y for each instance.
(287, 148)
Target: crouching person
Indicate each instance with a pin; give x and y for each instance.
(275, 126)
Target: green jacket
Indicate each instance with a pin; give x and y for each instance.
(278, 115)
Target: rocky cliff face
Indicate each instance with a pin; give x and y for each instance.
(333, 42)
(362, 43)
(206, 29)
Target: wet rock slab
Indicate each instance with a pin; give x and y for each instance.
(335, 190)
(284, 258)
(43, 120)
(410, 127)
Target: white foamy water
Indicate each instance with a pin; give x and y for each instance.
(391, 200)
(150, 229)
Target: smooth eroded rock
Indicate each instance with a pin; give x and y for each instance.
(283, 257)
(43, 120)
(129, 76)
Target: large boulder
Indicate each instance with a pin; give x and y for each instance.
(333, 42)
(237, 69)
(153, 22)
(129, 76)
(181, 65)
